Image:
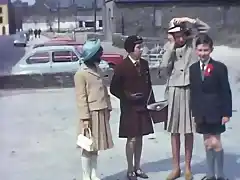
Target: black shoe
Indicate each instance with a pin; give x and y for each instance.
(141, 174)
(131, 176)
(209, 178)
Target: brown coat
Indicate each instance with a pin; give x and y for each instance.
(134, 119)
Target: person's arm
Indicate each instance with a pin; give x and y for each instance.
(116, 83)
(226, 94)
(81, 96)
(151, 97)
(191, 89)
(166, 66)
(109, 105)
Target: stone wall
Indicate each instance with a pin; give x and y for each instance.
(141, 19)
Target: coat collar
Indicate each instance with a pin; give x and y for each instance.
(90, 70)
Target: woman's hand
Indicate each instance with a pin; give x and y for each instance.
(171, 39)
(183, 20)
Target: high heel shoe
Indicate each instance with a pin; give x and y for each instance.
(174, 175)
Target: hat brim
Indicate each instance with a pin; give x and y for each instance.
(175, 29)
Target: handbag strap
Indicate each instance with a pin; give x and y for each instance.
(149, 96)
(89, 131)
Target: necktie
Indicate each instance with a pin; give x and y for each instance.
(202, 70)
(137, 65)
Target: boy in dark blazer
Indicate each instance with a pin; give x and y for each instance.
(211, 103)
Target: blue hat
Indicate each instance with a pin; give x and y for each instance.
(90, 48)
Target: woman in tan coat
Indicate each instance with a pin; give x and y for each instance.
(179, 55)
(94, 106)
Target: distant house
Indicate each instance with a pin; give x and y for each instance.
(45, 15)
(4, 17)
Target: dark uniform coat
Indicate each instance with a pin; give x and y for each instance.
(211, 98)
(134, 119)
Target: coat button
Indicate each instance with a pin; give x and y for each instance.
(180, 56)
(181, 70)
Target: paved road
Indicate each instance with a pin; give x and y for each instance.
(9, 55)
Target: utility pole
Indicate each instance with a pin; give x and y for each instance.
(95, 15)
(58, 16)
(104, 19)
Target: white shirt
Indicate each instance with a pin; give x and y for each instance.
(206, 63)
(133, 60)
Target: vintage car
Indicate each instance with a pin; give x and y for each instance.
(51, 59)
(112, 58)
(20, 39)
(154, 60)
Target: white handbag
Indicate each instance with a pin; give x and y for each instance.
(85, 142)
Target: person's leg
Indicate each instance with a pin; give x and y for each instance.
(137, 153)
(137, 158)
(94, 156)
(130, 149)
(175, 142)
(210, 156)
(188, 155)
(219, 155)
(86, 165)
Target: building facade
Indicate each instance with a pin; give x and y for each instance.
(150, 18)
(4, 17)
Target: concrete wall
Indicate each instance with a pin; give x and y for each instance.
(152, 20)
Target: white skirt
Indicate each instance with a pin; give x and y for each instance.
(179, 113)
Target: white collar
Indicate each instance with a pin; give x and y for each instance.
(133, 60)
(206, 62)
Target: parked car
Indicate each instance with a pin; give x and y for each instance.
(112, 58)
(154, 60)
(51, 59)
(20, 39)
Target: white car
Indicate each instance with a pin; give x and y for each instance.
(51, 59)
(154, 60)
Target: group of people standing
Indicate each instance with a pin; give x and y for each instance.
(197, 91)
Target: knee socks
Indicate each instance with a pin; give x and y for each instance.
(210, 158)
(219, 155)
(213, 157)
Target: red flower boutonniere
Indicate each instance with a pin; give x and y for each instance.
(208, 70)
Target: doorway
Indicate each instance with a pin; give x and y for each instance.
(3, 30)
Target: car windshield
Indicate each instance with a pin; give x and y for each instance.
(20, 36)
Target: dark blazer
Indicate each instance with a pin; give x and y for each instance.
(211, 98)
(134, 119)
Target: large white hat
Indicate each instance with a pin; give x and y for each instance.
(173, 27)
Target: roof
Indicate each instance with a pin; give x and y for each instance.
(66, 3)
(51, 48)
(3, 2)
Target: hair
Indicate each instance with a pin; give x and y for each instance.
(204, 39)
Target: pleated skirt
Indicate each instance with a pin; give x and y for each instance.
(100, 128)
(179, 112)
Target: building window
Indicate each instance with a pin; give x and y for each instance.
(1, 11)
(1, 19)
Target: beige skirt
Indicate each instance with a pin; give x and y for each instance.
(100, 127)
(179, 113)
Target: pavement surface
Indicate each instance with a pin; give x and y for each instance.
(38, 134)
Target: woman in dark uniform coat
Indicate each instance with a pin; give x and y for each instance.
(131, 83)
